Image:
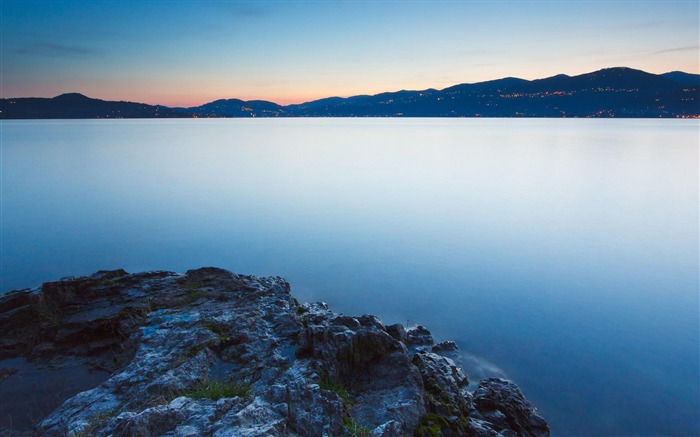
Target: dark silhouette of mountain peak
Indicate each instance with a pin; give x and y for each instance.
(76, 105)
(227, 102)
(237, 108)
(623, 78)
(686, 79)
(72, 96)
(609, 92)
(556, 77)
(509, 80)
(612, 73)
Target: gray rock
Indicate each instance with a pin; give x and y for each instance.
(419, 336)
(398, 332)
(501, 403)
(445, 348)
(212, 353)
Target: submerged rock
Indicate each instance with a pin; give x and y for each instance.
(212, 353)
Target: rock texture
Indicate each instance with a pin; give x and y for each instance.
(212, 353)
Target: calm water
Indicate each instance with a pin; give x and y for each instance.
(563, 253)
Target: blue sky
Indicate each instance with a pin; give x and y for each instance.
(188, 53)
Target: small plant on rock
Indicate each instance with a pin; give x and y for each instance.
(49, 312)
(164, 398)
(216, 390)
(431, 426)
(95, 423)
(219, 330)
(194, 290)
(331, 384)
(194, 295)
(354, 429)
(194, 350)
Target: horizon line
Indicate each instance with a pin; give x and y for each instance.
(349, 96)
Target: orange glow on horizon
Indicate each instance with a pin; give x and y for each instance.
(302, 92)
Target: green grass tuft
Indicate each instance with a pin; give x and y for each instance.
(194, 295)
(194, 350)
(194, 290)
(431, 426)
(216, 390)
(49, 312)
(219, 330)
(328, 383)
(354, 429)
(95, 423)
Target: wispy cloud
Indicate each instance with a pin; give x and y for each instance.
(55, 50)
(677, 49)
(649, 25)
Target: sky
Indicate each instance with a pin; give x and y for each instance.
(187, 53)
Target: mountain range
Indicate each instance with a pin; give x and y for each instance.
(611, 92)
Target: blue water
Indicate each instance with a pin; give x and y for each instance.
(562, 252)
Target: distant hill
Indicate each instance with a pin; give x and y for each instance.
(611, 92)
(74, 105)
(237, 108)
(686, 79)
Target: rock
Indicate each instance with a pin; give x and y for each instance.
(446, 392)
(398, 332)
(6, 372)
(418, 336)
(445, 348)
(501, 403)
(212, 353)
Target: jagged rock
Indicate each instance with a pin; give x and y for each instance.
(446, 392)
(501, 403)
(398, 332)
(212, 353)
(445, 347)
(418, 336)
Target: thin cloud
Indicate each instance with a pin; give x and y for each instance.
(677, 49)
(645, 25)
(57, 50)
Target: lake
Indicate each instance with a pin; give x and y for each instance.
(561, 253)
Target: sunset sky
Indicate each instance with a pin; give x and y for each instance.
(186, 53)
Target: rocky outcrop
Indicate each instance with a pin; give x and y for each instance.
(212, 353)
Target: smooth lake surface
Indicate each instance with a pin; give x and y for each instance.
(561, 253)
